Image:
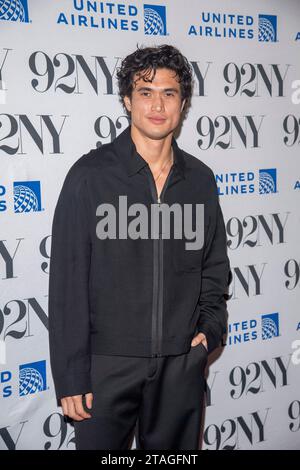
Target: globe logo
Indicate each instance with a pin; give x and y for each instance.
(31, 381)
(25, 199)
(269, 328)
(266, 183)
(153, 22)
(12, 10)
(266, 30)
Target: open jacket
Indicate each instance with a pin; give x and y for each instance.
(134, 297)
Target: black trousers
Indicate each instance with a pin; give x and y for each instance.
(158, 399)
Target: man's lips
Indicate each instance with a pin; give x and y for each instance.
(157, 120)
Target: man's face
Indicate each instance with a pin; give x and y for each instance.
(156, 106)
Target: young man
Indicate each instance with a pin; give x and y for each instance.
(133, 314)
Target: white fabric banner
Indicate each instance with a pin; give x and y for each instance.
(59, 99)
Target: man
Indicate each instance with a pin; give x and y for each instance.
(132, 319)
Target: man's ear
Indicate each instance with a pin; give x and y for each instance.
(182, 105)
(127, 103)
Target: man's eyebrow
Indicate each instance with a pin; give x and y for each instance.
(145, 88)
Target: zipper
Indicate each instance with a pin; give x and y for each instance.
(157, 307)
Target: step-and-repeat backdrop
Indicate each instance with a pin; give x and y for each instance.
(59, 99)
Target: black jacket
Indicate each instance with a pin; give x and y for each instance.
(140, 297)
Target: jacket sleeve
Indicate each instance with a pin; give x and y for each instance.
(215, 278)
(68, 302)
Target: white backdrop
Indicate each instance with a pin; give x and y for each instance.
(59, 99)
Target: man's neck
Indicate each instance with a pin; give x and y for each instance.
(154, 151)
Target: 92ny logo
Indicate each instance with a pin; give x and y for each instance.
(20, 134)
(256, 230)
(54, 434)
(250, 430)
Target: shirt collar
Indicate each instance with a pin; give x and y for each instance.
(134, 162)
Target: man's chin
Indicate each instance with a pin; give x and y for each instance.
(157, 134)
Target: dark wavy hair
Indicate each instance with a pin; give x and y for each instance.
(146, 60)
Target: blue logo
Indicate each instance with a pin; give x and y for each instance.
(242, 332)
(155, 20)
(267, 181)
(270, 326)
(27, 196)
(6, 388)
(2, 198)
(267, 28)
(245, 331)
(261, 181)
(32, 378)
(14, 10)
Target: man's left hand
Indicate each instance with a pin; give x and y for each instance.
(200, 338)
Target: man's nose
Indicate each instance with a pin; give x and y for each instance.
(157, 103)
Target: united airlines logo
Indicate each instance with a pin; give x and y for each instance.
(267, 181)
(27, 196)
(14, 10)
(32, 378)
(262, 181)
(155, 20)
(235, 26)
(114, 16)
(270, 326)
(245, 331)
(267, 28)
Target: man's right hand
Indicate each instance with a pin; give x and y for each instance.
(73, 407)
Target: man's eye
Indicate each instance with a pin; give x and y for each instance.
(145, 93)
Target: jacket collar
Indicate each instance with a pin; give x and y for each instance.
(133, 161)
